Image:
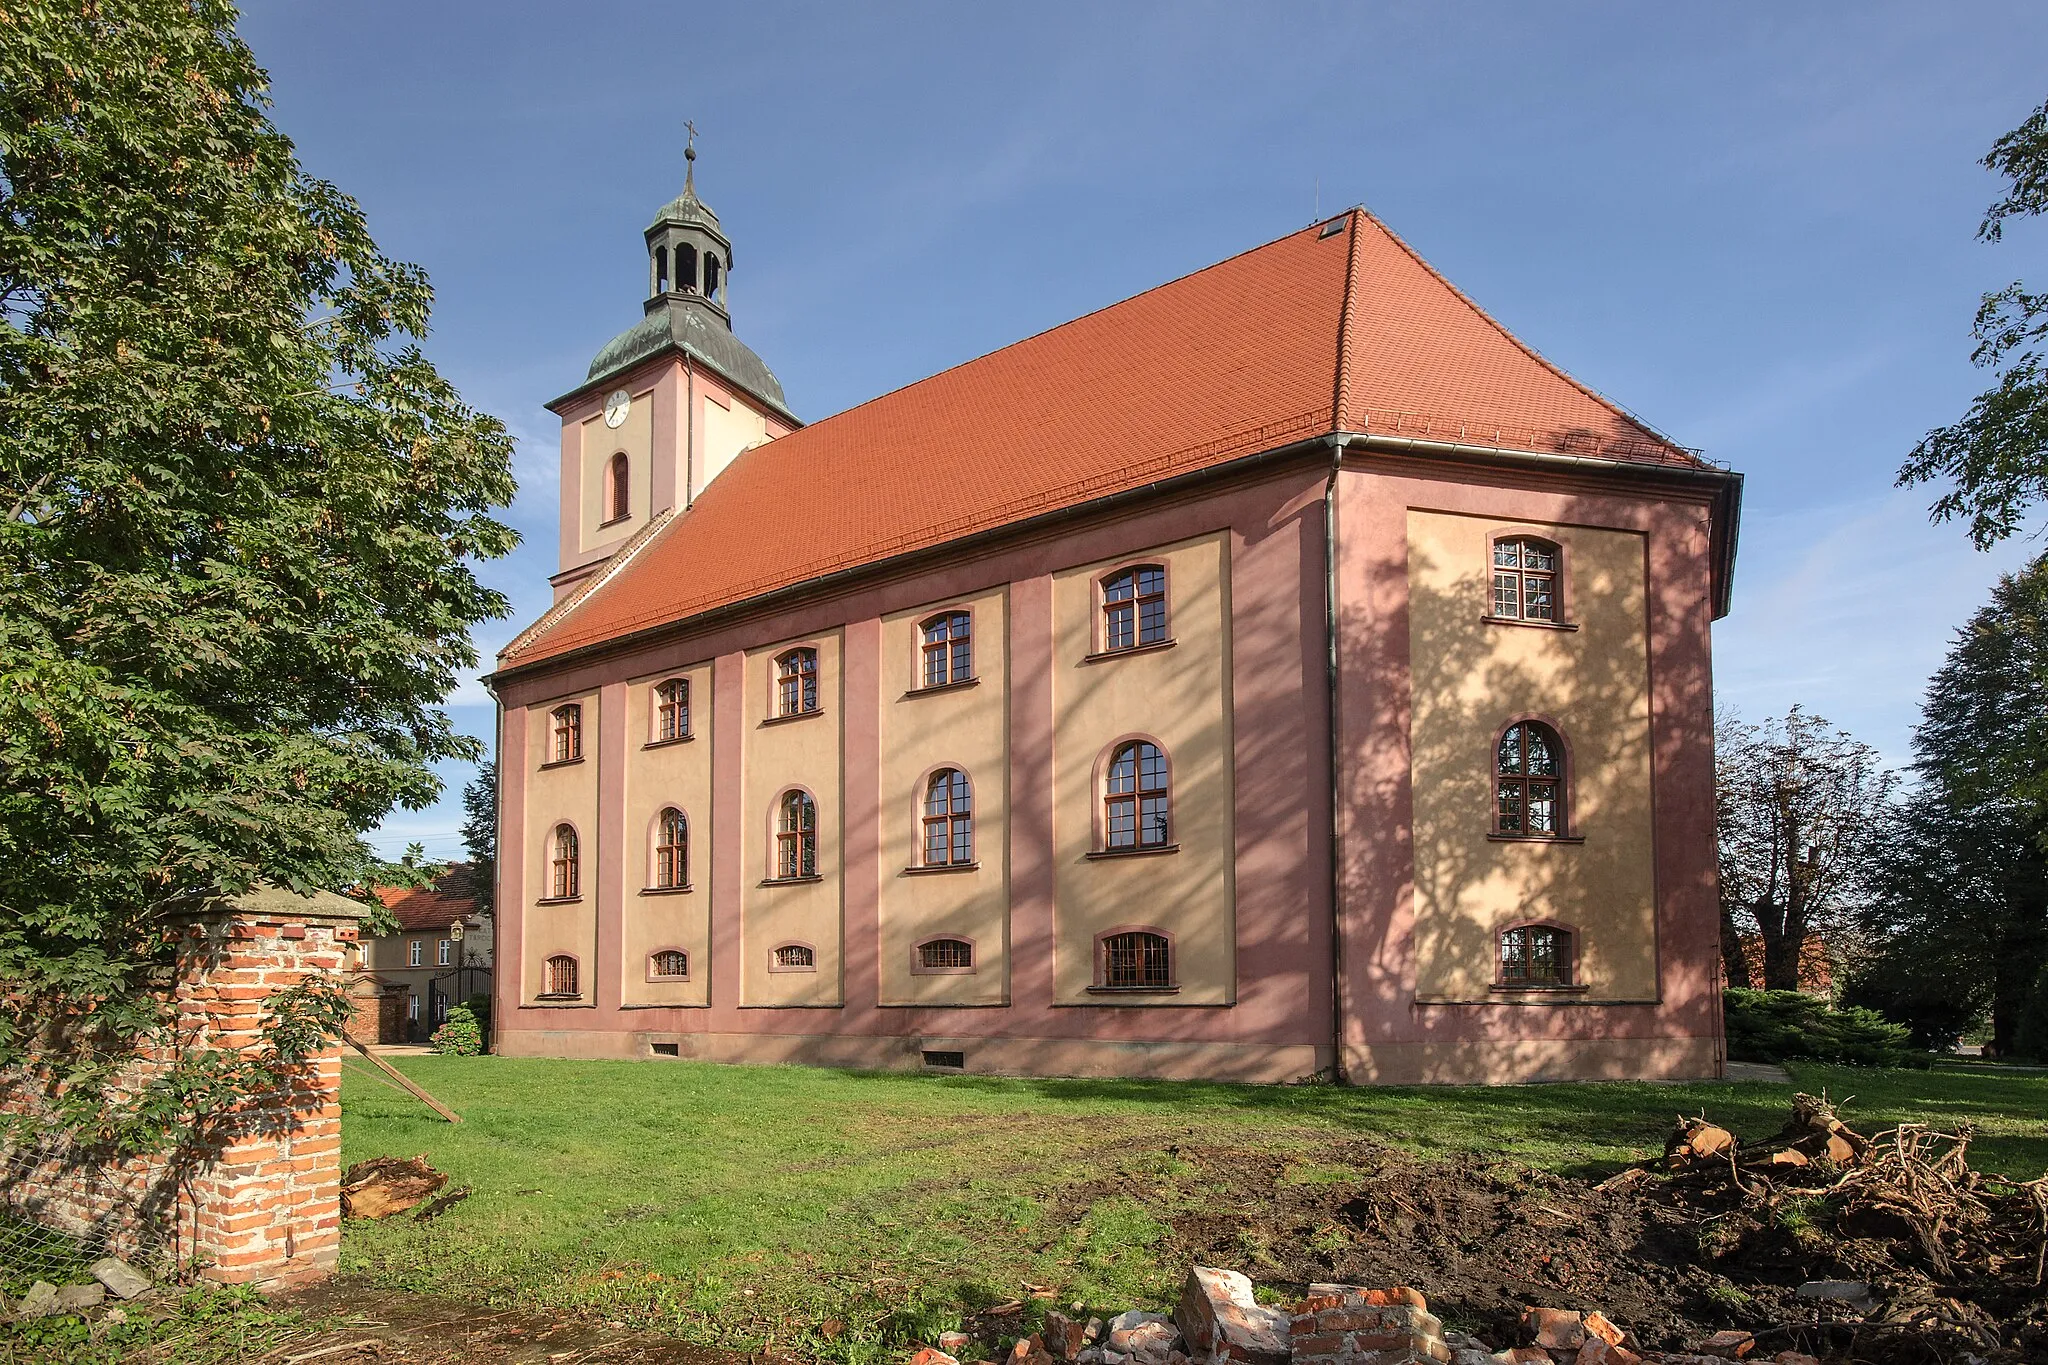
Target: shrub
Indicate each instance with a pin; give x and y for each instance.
(479, 1006)
(1776, 1026)
(459, 1035)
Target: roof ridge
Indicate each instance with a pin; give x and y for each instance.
(620, 557)
(1524, 347)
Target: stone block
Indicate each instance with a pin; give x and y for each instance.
(122, 1280)
(76, 1298)
(1222, 1321)
(39, 1302)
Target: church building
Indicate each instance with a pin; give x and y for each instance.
(1285, 672)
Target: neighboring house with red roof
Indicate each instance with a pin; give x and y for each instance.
(405, 982)
(1284, 671)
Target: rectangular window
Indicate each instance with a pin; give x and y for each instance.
(441, 952)
(412, 1008)
(415, 953)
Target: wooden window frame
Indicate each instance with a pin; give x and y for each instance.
(551, 980)
(953, 819)
(1568, 979)
(803, 841)
(618, 489)
(953, 652)
(1107, 608)
(1558, 577)
(565, 870)
(1106, 944)
(671, 859)
(653, 958)
(565, 734)
(443, 951)
(416, 952)
(1135, 799)
(671, 711)
(919, 967)
(776, 966)
(1563, 830)
(800, 667)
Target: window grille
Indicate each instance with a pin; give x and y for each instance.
(948, 649)
(561, 975)
(1136, 960)
(671, 964)
(945, 954)
(1536, 955)
(796, 957)
(948, 820)
(1529, 781)
(1134, 608)
(1525, 579)
(1136, 802)
(796, 683)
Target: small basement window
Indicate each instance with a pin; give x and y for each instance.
(949, 1061)
(666, 1049)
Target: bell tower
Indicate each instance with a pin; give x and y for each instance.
(669, 403)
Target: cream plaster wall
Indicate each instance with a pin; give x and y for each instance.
(554, 794)
(1179, 697)
(958, 727)
(780, 754)
(659, 775)
(1470, 678)
(728, 430)
(635, 436)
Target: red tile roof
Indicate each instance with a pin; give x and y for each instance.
(1347, 331)
(431, 907)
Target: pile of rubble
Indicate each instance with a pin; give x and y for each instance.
(1219, 1322)
(110, 1276)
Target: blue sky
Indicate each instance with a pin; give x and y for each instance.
(1752, 224)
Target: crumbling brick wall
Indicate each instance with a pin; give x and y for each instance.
(259, 1200)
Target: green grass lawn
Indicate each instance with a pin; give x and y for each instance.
(833, 1212)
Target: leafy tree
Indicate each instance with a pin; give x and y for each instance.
(1965, 905)
(480, 834)
(240, 506)
(1801, 810)
(1997, 456)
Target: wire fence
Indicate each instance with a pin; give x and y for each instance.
(60, 1212)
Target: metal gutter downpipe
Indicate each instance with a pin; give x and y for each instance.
(1337, 441)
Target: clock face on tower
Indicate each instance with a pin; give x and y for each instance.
(616, 405)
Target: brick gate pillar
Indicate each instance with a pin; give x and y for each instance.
(262, 1205)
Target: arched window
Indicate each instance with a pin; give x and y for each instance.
(618, 485)
(670, 964)
(568, 726)
(672, 850)
(1525, 579)
(796, 836)
(1529, 781)
(794, 957)
(710, 275)
(568, 863)
(796, 683)
(1136, 960)
(948, 648)
(1135, 809)
(1134, 608)
(672, 710)
(1536, 956)
(948, 819)
(686, 268)
(561, 976)
(661, 270)
(945, 955)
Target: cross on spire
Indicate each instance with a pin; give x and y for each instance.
(690, 157)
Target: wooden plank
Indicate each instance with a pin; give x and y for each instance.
(405, 1082)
